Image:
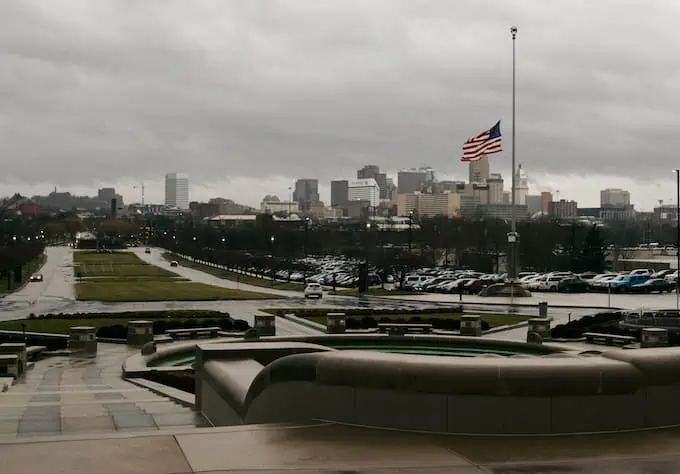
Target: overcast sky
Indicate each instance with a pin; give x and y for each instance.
(246, 95)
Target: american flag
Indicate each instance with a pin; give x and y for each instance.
(485, 143)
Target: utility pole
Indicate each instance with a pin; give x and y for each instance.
(677, 242)
(512, 236)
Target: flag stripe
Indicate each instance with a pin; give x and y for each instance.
(485, 143)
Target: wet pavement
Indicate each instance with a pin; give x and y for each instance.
(74, 395)
(87, 419)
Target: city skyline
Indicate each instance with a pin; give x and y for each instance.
(279, 90)
(155, 190)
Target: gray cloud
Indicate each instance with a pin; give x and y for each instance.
(225, 88)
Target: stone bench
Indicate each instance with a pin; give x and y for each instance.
(9, 365)
(194, 332)
(608, 339)
(424, 328)
(34, 352)
(18, 349)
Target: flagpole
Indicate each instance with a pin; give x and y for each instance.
(512, 237)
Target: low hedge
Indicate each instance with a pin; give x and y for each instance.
(606, 323)
(350, 312)
(152, 314)
(161, 320)
(119, 331)
(368, 322)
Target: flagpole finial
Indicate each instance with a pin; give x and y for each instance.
(513, 32)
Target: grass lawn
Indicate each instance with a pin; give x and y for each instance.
(61, 326)
(233, 276)
(494, 319)
(116, 264)
(28, 269)
(160, 291)
(123, 276)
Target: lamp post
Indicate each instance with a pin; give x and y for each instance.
(307, 222)
(677, 240)
(512, 236)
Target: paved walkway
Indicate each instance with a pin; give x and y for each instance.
(334, 449)
(69, 395)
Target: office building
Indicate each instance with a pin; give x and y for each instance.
(414, 180)
(479, 170)
(429, 205)
(272, 205)
(390, 190)
(563, 209)
(546, 199)
(177, 190)
(306, 193)
(612, 197)
(503, 211)
(373, 172)
(106, 194)
(364, 190)
(534, 204)
(495, 186)
(368, 171)
(339, 193)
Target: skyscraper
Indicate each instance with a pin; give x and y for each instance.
(339, 193)
(306, 193)
(177, 190)
(479, 170)
(411, 181)
(373, 172)
(611, 197)
(364, 190)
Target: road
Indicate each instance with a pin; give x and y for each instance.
(55, 294)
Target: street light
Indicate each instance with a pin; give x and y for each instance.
(307, 222)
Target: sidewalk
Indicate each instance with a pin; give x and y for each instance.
(66, 396)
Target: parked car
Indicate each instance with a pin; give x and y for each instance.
(174, 263)
(313, 290)
(573, 285)
(623, 283)
(36, 277)
(654, 285)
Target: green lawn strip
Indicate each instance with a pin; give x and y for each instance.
(61, 326)
(233, 276)
(110, 279)
(118, 258)
(116, 264)
(27, 270)
(119, 291)
(494, 319)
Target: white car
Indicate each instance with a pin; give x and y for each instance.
(313, 290)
